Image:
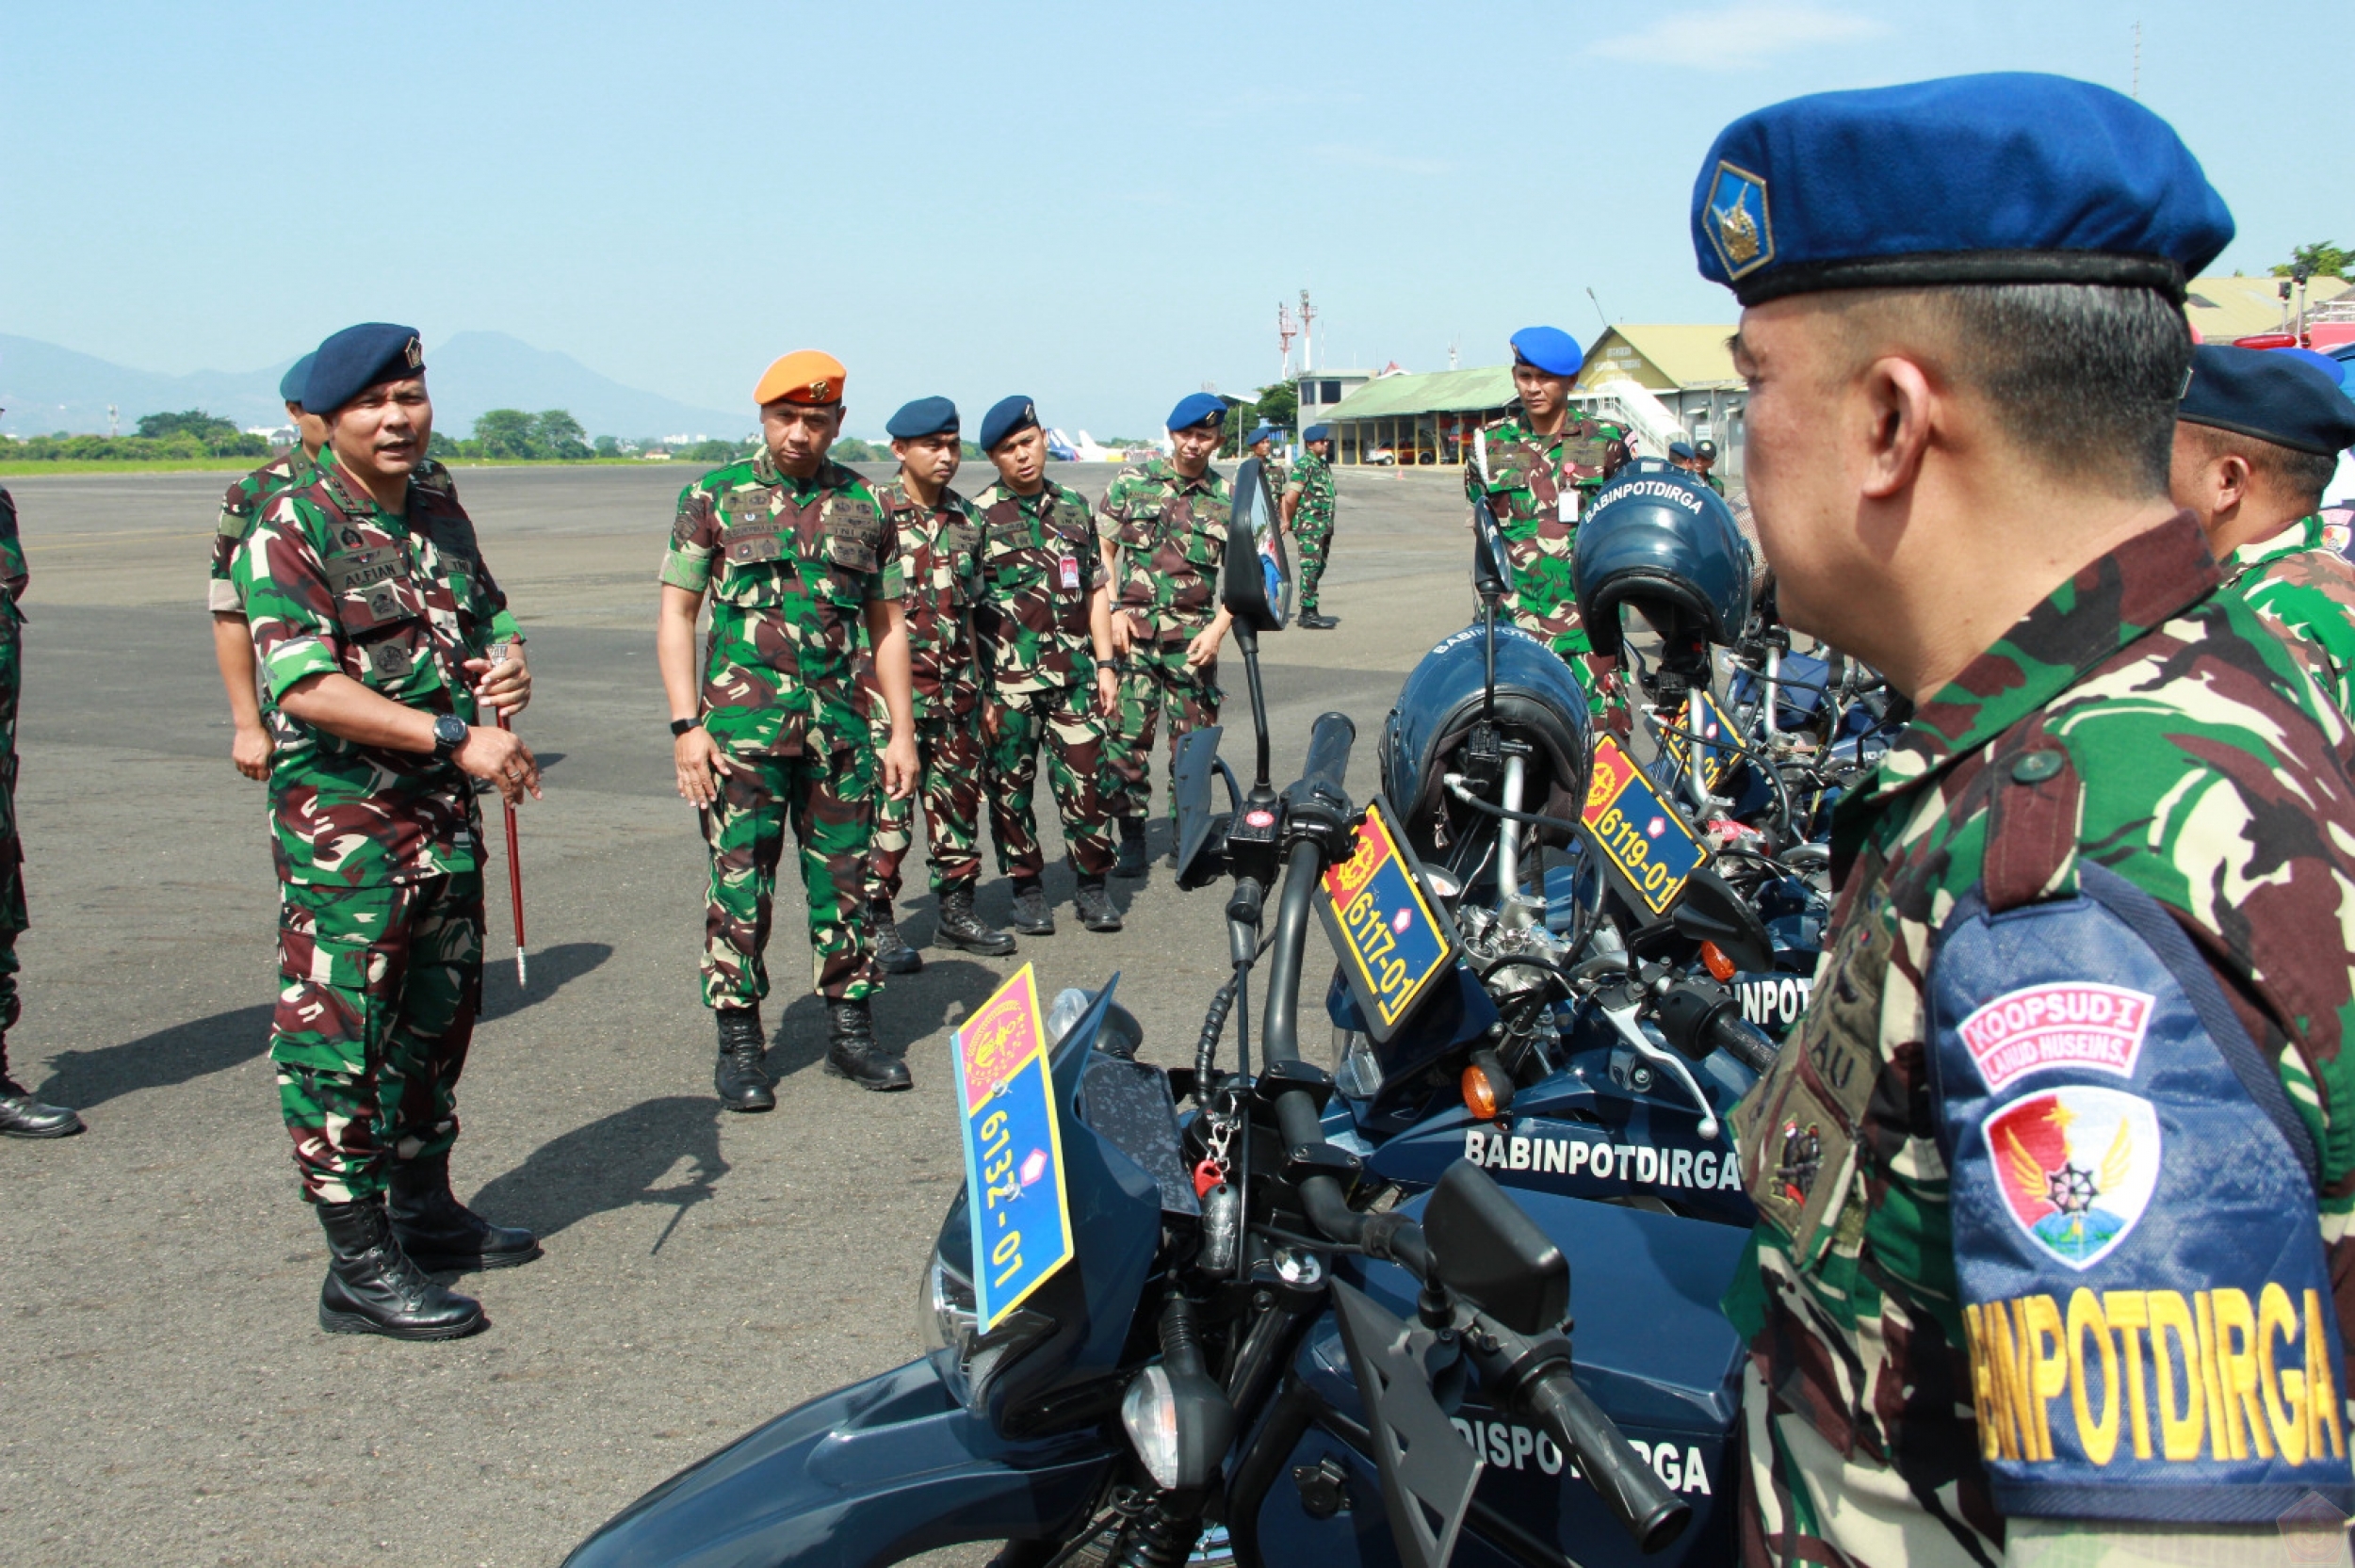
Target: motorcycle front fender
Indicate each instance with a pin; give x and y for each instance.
(869, 1474)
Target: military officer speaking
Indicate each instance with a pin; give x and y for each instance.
(1044, 623)
(1308, 504)
(2051, 1176)
(1163, 525)
(1532, 465)
(21, 1115)
(372, 614)
(797, 556)
(2257, 438)
(940, 554)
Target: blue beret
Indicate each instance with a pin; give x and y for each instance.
(1265, 433)
(1680, 449)
(925, 416)
(2274, 396)
(1317, 432)
(1549, 349)
(356, 359)
(1005, 417)
(2006, 178)
(1196, 408)
(2335, 369)
(291, 385)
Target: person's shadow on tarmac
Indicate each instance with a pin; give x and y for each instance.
(913, 1007)
(202, 1046)
(612, 1163)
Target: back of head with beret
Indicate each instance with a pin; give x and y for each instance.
(1007, 416)
(296, 381)
(2274, 396)
(2006, 178)
(351, 362)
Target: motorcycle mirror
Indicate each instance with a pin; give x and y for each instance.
(1488, 557)
(1190, 781)
(1489, 1251)
(1255, 583)
(1712, 911)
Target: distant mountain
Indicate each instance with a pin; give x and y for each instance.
(46, 388)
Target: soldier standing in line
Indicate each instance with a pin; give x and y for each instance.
(233, 641)
(1163, 526)
(940, 554)
(797, 556)
(1045, 623)
(372, 615)
(2257, 438)
(1261, 444)
(1539, 463)
(1308, 513)
(2075, 1082)
(21, 1114)
(1704, 464)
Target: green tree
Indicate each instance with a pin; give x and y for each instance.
(2320, 260)
(1279, 406)
(207, 434)
(505, 433)
(555, 433)
(608, 446)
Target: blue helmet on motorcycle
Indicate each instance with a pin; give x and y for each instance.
(1659, 538)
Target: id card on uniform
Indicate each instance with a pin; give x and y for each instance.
(1070, 565)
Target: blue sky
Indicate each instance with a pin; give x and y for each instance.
(1098, 206)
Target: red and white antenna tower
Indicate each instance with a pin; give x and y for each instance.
(1285, 333)
(1308, 334)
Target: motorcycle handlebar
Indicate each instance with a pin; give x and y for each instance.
(1741, 1040)
(1329, 742)
(1635, 1495)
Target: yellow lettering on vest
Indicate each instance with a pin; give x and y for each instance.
(2284, 1387)
(2042, 1337)
(2098, 1436)
(2128, 1316)
(1995, 1430)
(2225, 1438)
(2002, 1372)
(2171, 1320)
(2322, 1387)
(2018, 1373)
(2236, 1370)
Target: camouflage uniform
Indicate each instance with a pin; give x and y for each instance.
(1039, 569)
(941, 559)
(241, 507)
(2304, 591)
(2134, 787)
(14, 577)
(798, 561)
(1169, 534)
(1312, 522)
(380, 916)
(1537, 485)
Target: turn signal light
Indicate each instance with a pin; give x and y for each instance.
(1480, 1094)
(1713, 958)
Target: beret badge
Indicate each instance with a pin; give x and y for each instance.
(1738, 225)
(818, 389)
(414, 352)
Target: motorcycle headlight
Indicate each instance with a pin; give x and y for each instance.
(967, 1359)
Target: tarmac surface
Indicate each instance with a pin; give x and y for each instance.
(169, 1396)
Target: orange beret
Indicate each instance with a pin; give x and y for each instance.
(804, 375)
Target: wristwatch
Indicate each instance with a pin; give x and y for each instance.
(680, 726)
(449, 733)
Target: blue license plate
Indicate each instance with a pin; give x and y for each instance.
(1393, 945)
(1639, 832)
(1021, 1215)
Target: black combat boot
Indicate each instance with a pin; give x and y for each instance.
(1131, 861)
(1095, 903)
(22, 1116)
(851, 1052)
(893, 955)
(1311, 622)
(443, 1235)
(1032, 916)
(742, 1079)
(373, 1288)
(959, 927)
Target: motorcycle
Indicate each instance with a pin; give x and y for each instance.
(1149, 1330)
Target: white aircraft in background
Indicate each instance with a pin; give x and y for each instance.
(1064, 449)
